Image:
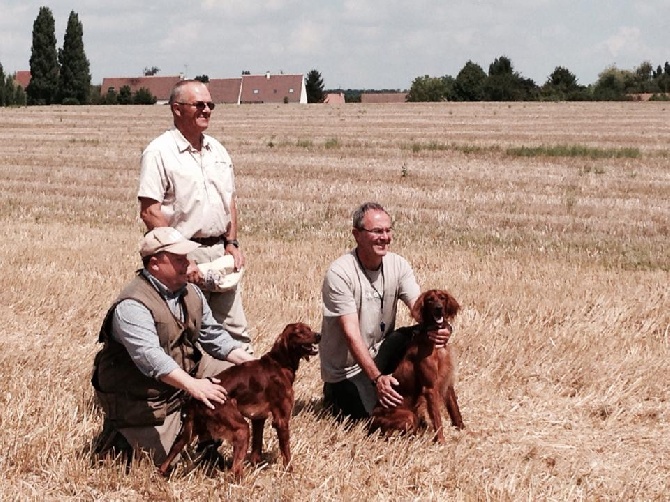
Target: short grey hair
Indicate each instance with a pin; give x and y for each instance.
(360, 211)
(176, 93)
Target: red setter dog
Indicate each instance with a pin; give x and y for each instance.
(255, 389)
(425, 373)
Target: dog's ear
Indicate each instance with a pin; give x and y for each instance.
(451, 306)
(417, 308)
(282, 341)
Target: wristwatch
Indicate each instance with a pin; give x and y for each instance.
(234, 242)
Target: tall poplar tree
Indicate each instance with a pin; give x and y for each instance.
(43, 84)
(75, 75)
(3, 88)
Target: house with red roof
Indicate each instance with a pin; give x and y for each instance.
(159, 86)
(225, 90)
(271, 88)
(22, 78)
(266, 88)
(334, 98)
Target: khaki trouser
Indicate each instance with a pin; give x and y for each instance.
(157, 440)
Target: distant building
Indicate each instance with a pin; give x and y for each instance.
(334, 98)
(225, 90)
(22, 78)
(270, 88)
(383, 97)
(157, 85)
(266, 88)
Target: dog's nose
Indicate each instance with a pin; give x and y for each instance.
(318, 337)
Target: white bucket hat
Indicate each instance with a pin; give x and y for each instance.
(220, 274)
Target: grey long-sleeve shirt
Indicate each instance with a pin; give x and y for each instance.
(133, 326)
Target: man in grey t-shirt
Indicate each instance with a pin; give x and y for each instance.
(360, 346)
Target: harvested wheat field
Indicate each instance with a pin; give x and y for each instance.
(550, 223)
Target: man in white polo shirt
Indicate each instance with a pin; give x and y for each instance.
(187, 182)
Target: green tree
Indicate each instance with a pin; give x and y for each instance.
(3, 87)
(125, 95)
(613, 84)
(427, 88)
(469, 83)
(150, 72)
(75, 75)
(661, 78)
(504, 84)
(562, 85)
(111, 98)
(644, 71)
(20, 97)
(95, 97)
(314, 87)
(43, 85)
(143, 96)
(202, 78)
(8, 90)
(501, 66)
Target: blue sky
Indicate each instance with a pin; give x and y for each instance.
(370, 44)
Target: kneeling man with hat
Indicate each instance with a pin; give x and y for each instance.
(160, 343)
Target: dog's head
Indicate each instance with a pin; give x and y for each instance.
(435, 308)
(299, 340)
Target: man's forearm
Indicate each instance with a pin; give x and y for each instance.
(231, 232)
(151, 214)
(180, 379)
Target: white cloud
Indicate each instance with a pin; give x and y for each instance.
(627, 39)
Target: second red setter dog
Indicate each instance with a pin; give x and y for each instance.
(425, 374)
(256, 389)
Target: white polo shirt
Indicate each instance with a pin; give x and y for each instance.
(195, 188)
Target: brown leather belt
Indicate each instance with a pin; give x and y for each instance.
(209, 241)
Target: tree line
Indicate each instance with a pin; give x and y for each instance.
(503, 83)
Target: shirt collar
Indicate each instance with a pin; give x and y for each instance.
(184, 146)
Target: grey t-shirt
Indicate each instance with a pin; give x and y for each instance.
(347, 289)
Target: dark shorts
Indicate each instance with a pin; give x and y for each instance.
(355, 397)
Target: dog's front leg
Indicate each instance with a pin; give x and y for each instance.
(433, 405)
(240, 441)
(281, 426)
(452, 408)
(256, 454)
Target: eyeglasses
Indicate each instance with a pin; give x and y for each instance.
(378, 231)
(200, 105)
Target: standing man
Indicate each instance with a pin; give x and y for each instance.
(360, 346)
(187, 182)
(160, 341)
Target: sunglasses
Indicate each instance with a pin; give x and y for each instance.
(378, 231)
(200, 105)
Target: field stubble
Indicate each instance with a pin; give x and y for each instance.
(561, 265)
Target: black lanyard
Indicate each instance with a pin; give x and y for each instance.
(382, 324)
